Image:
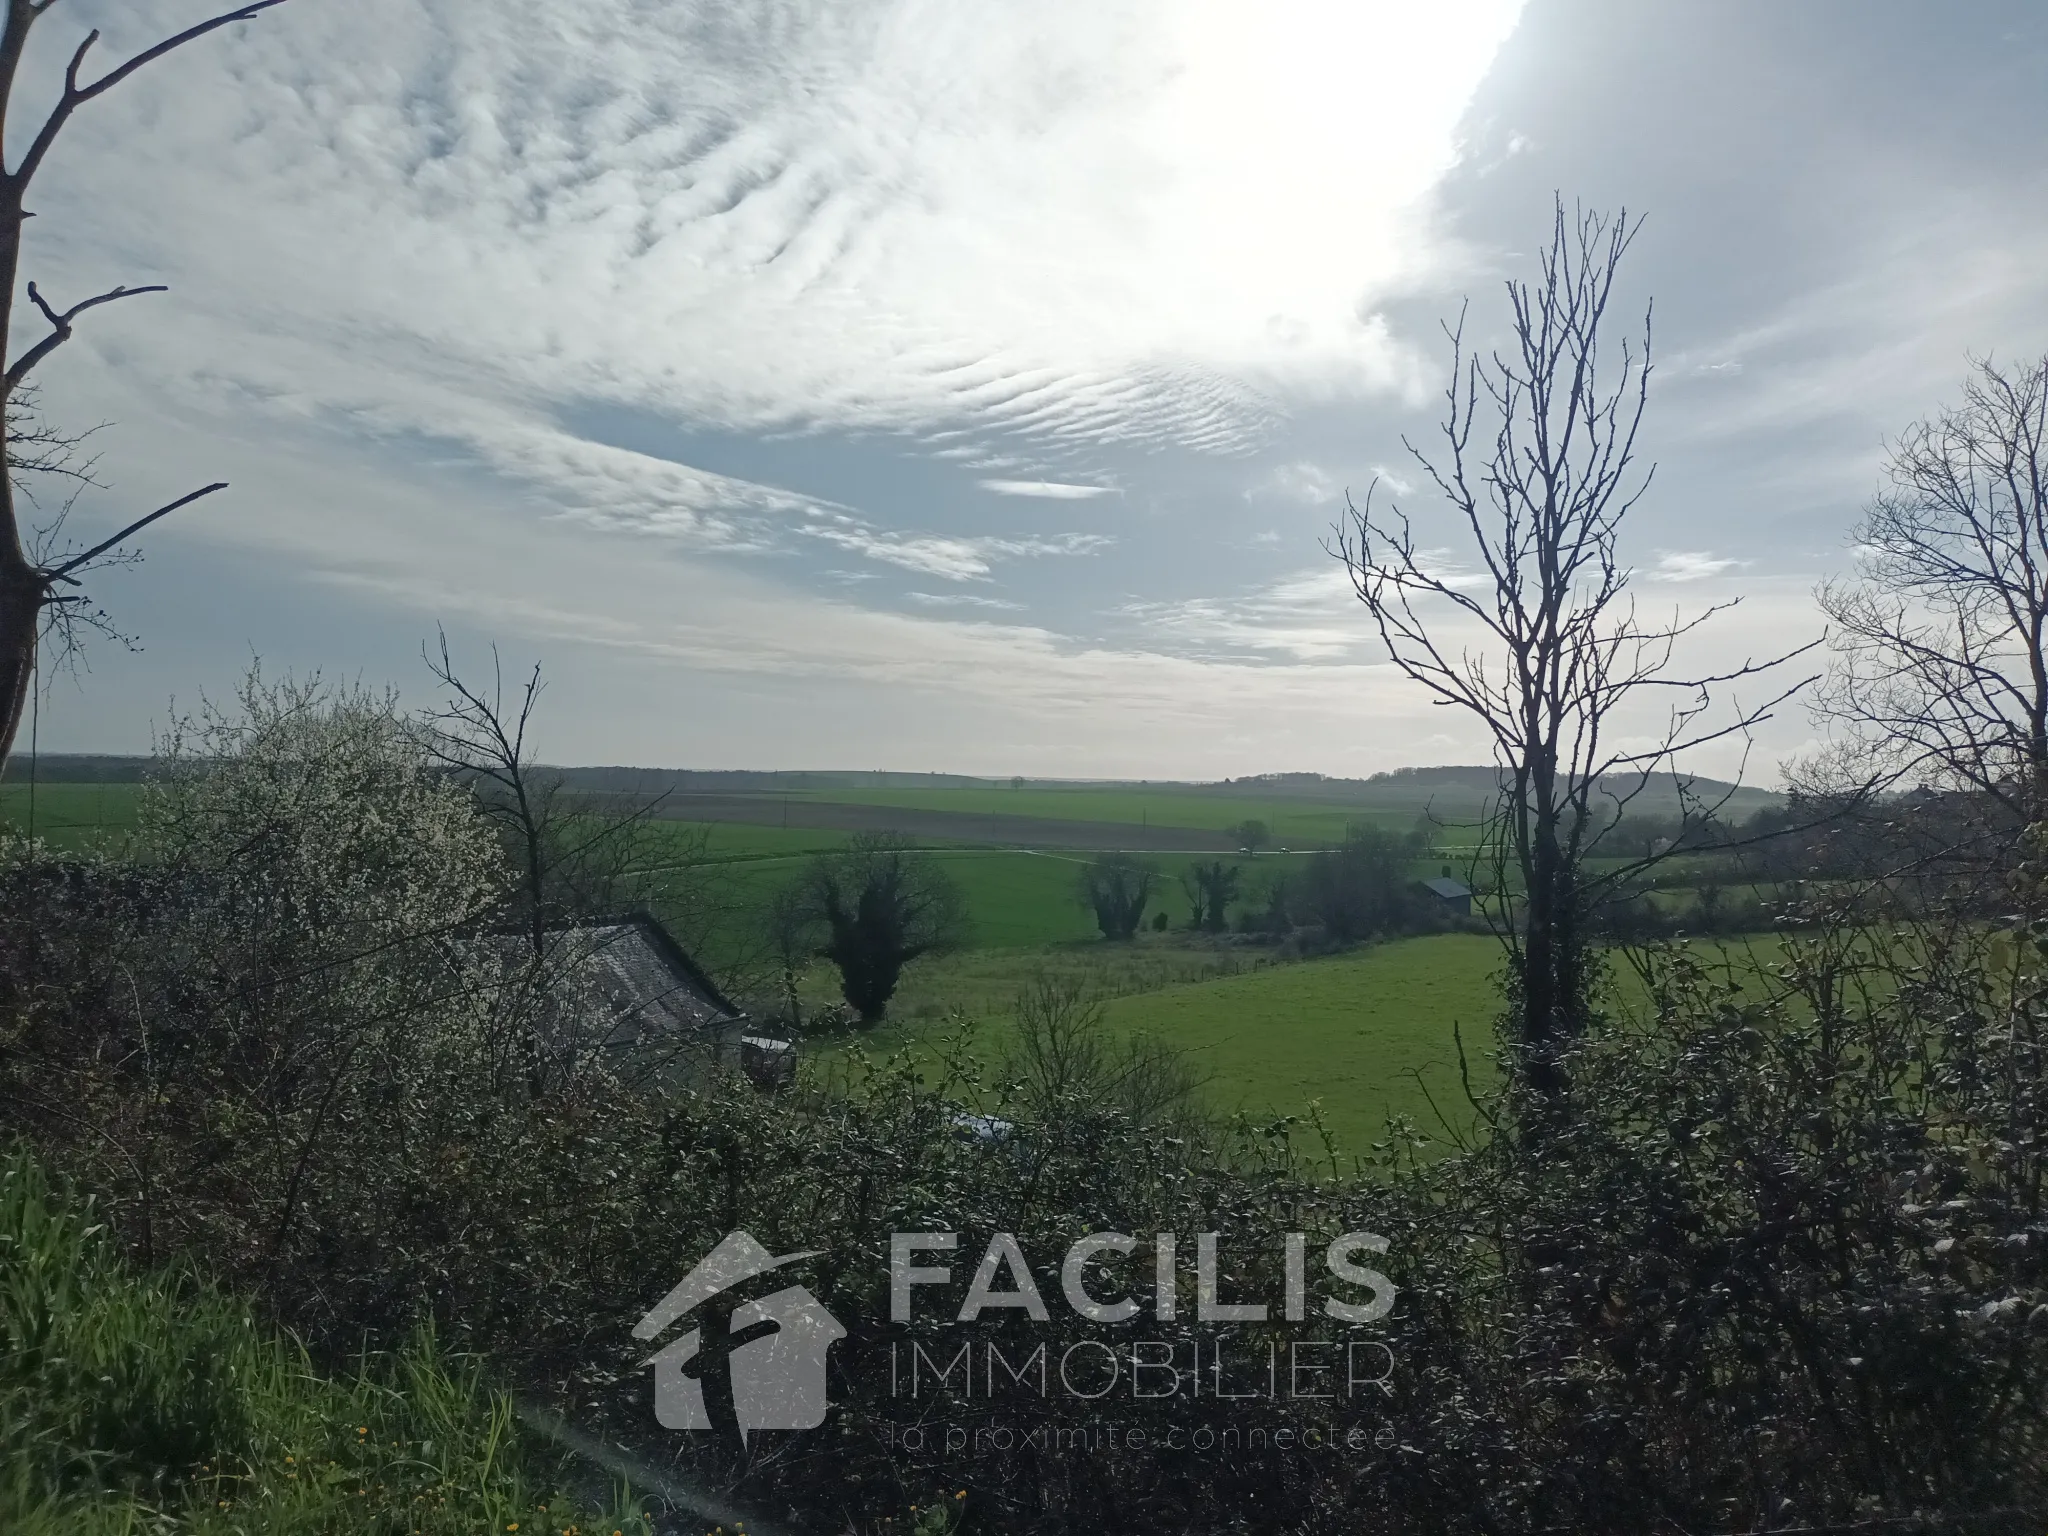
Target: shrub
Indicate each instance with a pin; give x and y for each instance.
(877, 904)
(1117, 887)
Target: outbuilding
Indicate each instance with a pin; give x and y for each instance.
(1454, 894)
(625, 992)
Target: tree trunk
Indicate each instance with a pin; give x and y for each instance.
(23, 589)
(21, 610)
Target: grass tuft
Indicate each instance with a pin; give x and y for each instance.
(149, 1403)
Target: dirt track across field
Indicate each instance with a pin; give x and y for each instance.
(947, 826)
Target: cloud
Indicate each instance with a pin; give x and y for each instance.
(852, 255)
(1301, 481)
(961, 600)
(438, 230)
(1060, 218)
(1310, 616)
(951, 559)
(1690, 565)
(1050, 490)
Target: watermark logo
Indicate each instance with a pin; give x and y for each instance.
(756, 1357)
(754, 1363)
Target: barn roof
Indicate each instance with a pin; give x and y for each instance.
(1449, 890)
(645, 984)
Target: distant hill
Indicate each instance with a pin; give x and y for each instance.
(1471, 785)
(78, 768)
(741, 781)
(1459, 788)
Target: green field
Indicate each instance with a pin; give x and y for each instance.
(1363, 1036)
(1306, 816)
(1309, 824)
(69, 815)
(735, 842)
(1029, 898)
(1015, 898)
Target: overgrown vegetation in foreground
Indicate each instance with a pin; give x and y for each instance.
(133, 1402)
(1771, 1257)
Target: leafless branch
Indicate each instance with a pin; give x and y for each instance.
(131, 530)
(1536, 637)
(27, 597)
(1941, 635)
(76, 94)
(60, 328)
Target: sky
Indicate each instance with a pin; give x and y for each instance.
(973, 385)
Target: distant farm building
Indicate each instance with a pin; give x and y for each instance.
(1456, 895)
(626, 993)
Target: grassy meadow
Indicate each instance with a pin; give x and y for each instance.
(1017, 898)
(69, 815)
(1292, 823)
(1363, 1036)
(137, 1402)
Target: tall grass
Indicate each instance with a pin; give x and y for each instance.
(148, 1403)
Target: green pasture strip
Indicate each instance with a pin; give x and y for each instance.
(983, 983)
(1364, 1035)
(70, 815)
(1013, 899)
(1032, 898)
(1307, 823)
(1018, 899)
(735, 842)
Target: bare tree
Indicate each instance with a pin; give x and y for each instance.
(30, 579)
(1065, 1061)
(1542, 643)
(1941, 637)
(576, 855)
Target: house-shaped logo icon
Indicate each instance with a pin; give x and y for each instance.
(759, 1364)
